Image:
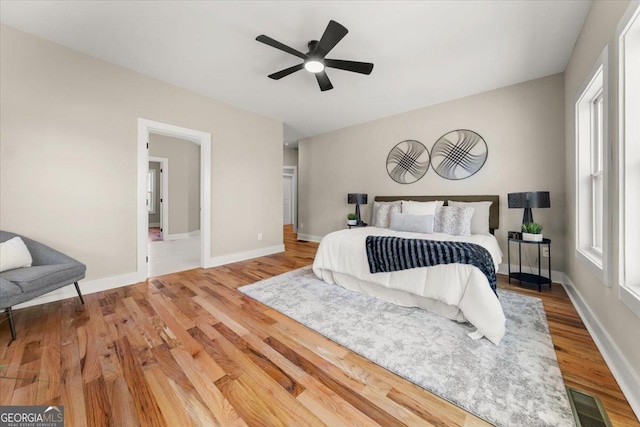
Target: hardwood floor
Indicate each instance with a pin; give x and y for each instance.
(188, 349)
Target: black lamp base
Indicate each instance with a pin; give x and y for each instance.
(359, 223)
(527, 217)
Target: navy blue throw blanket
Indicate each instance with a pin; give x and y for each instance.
(388, 253)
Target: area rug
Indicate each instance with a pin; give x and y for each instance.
(517, 383)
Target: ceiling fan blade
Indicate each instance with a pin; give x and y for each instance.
(286, 72)
(323, 81)
(354, 66)
(332, 35)
(283, 47)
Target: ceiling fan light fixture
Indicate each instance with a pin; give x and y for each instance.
(313, 66)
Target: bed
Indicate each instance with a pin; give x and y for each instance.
(459, 292)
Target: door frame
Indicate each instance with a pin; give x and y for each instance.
(203, 139)
(164, 193)
(294, 194)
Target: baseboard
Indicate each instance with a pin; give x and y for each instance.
(154, 224)
(556, 276)
(86, 287)
(107, 283)
(243, 256)
(309, 238)
(178, 236)
(621, 369)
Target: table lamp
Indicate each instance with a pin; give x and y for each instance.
(357, 199)
(528, 200)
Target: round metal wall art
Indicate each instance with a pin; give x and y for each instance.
(459, 154)
(408, 161)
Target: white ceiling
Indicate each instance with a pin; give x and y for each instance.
(424, 52)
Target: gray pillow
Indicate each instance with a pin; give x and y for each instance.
(376, 207)
(411, 223)
(480, 219)
(453, 220)
(383, 218)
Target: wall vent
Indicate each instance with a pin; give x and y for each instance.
(587, 410)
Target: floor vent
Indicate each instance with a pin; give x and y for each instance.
(587, 410)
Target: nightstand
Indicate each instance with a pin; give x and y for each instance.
(528, 277)
(364, 224)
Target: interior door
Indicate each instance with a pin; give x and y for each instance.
(287, 187)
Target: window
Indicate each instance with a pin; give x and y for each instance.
(592, 170)
(597, 172)
(629, 156)
(151, 191)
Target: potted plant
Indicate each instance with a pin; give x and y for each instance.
(532, 232)
(352, 219)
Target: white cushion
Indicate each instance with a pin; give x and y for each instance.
(376, 208)
(412, 223)
(14, 254)
(453, 220)
(480, 219)
(421, 208)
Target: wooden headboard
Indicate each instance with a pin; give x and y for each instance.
(494, 210)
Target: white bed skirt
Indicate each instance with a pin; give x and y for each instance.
(394, 296)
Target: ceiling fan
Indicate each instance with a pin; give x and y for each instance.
(314, 60)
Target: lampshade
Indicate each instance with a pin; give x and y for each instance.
(357, 199)
(529, 199)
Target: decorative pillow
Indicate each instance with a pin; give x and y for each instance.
(453, 220)
(14, 254)
(412, 223)
(421, 208)
(480, 219)
(376, 208)
(384, 214)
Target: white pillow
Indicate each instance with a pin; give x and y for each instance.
(376, 208)
(411, 223)
(453, 220)
(14, 254)
(480, 218)
(384, 214)
(421, 208)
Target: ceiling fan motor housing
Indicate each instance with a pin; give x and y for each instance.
(312, 46)
(313, 63)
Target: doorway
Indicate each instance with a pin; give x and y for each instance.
(202, 140)
(179, 248)
(287, 199)
(158, 197)
(290, 196)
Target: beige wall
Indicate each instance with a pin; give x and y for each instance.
(290, 157)
(155, 217)
(619, 322)
(523, 126)
(184, 181)
(68, 155)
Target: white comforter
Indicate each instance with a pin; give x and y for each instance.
(458, 291)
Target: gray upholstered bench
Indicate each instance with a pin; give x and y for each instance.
(50, 270)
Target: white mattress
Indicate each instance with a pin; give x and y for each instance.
(458, 291)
